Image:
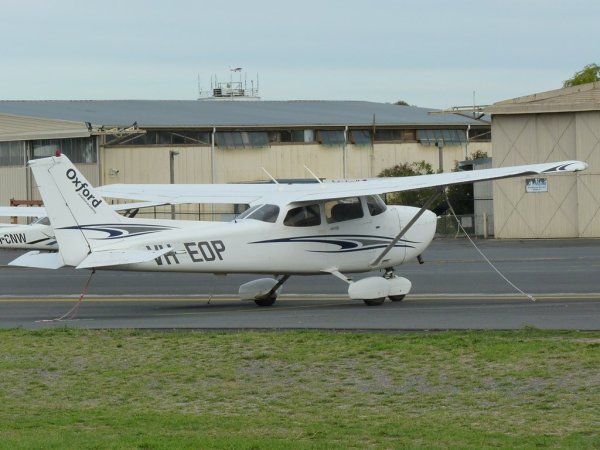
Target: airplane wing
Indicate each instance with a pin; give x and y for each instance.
(243, 193)
(300, 192)
(40, 211)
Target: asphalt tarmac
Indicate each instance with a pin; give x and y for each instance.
(454, 289)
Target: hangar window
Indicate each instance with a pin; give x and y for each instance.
(395, 135)
(130, 139)
(331, 137)
(480, 134)
(12, 153)
(388, 135)
(292, 136)
(360, 137)
(409, 135)
(343, 209)
(303, 216)
(242, 139)
(443, 137)
(183, 137)
(78, 150)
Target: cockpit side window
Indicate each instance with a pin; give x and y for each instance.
(303, 216)
(264, 213)
(267, 213)
(375, 205)
(343, 209)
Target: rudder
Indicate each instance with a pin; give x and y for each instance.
(72, 205)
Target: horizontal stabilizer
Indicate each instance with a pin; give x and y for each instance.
(109, 258)
(39, 260)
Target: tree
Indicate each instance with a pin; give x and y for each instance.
(401, 103)
(589, 73)
(409, 198)
(461, 195)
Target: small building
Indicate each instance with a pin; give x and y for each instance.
(557, 125)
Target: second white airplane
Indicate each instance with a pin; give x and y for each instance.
(333, 228)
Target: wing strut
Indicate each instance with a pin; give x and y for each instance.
(407, 227)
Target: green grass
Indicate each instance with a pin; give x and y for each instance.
(72, 388)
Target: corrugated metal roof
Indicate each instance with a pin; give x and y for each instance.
(584, 97)
(193, 113)
(18, 128)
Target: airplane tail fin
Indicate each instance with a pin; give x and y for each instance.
(75, 210)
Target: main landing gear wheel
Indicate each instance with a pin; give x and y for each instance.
(374, 301)
(266, 301)
(397, 298)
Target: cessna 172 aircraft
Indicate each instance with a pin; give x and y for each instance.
(290, 229)
(36, 235)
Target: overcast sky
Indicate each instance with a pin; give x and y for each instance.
(430, 53)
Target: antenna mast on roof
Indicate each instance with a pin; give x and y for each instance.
(231, 90)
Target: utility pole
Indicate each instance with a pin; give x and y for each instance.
(172, 155)
(440, 146)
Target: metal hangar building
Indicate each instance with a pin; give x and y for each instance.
(557, 125)
(152, 141)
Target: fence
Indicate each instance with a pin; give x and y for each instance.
(475, 225)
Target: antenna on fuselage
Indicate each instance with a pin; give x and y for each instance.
(313, 174)
(269, 175)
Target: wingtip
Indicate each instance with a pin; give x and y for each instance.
(574, 166)
(567, 166)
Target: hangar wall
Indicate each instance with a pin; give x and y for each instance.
(194, 164)
(588, 187)
(14, 184)
(570, 207)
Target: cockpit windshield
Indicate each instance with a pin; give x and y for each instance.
(264, 213)
(41, 221)
(375, 204)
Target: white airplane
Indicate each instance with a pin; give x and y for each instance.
(333, 228)
(39, 235)
(36, 235)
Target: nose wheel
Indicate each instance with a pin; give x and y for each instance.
(400, 286)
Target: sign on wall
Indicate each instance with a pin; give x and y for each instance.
(536, 185)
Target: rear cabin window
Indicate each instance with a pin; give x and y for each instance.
(343, 209)
(303, 216)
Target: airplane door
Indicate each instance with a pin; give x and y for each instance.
(353, 230)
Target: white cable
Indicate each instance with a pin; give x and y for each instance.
(510, 283)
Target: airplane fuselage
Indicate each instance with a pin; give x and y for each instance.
(255, 246)
(30, 237)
